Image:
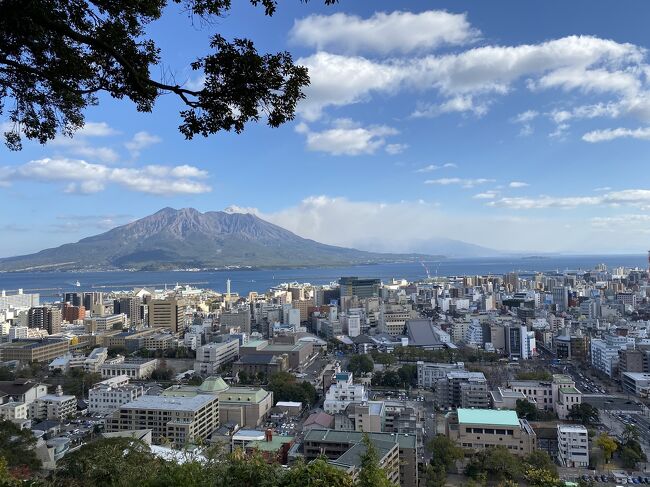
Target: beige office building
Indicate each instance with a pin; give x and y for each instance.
(167, 313)
(477, 429)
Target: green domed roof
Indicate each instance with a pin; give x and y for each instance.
(213, 385)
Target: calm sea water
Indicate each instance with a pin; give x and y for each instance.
(51, 284)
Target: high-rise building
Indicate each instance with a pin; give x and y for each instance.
(73, 313)
(46, 318)
(167, 313)
(73, 298)
(131, 306)
(91, 299)
(561, 298)
(362, 288)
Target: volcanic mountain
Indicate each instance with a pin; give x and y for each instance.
(187, 238)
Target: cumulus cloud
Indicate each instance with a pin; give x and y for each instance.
(584, 63)
(140, 141)
(618, 133)
(465, 183)
(84, 178)
(348, 138)
(383, 33)
(517, 184)
(80, 144)
(417, 226)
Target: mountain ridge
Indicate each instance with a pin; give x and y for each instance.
(187, 238)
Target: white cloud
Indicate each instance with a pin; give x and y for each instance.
(622, 223)
(140, 141)
(465, 183)
(96, 129)
(394, 149)
(84, 177)
(525, 119)
(457, 104)
(347, 138)
(517, 184)
(416, 226)
(487, 195)
(383, 33)
(628, 197)
(434, 167)
(527, 116)
(583, 63)
(618, 133)
(428, 168)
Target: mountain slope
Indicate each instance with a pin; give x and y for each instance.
(187, 238)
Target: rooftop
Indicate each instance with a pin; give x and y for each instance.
(499, 417)
(637, 375)
(569, 390)
(175, 403)
(275, 444)
(351, 437)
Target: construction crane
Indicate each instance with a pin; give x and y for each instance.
(426, 269)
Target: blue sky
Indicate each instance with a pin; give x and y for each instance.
(513, 125)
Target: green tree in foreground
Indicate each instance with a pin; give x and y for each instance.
(317, 473)
(58, 58)
(371, 474)
(17, 447)
(538, 477)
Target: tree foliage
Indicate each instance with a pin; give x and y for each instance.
(534, 375)
(285, 387)
(317, 473)
(371, 474)
(607, 444)
(526, 409)
(122, 462)
(361, 364)
(584, 413)
(17, 447)
(58, 58)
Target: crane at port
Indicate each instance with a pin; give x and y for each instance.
(426, 269)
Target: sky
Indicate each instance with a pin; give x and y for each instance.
(518, 126)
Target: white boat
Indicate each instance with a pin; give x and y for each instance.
(78, 284)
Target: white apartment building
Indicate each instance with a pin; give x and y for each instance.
(211, 356)
(343, 392)
(573, 445)
(604, 353)
(108, 395)
(55, 407)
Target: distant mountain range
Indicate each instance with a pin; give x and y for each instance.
(187, 238)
